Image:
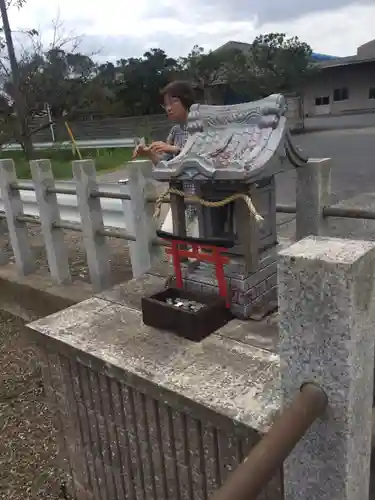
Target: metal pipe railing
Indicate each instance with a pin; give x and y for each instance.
(344, 212)
(349, 213)
(267, 457)
(285, 209)
(110, 233)
(99, 193)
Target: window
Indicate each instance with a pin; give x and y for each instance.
(341, 94)
(371, 94)
(322, 101)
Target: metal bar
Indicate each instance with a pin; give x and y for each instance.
(22, 186)
(122, 196)
(69, 226)
(56, 190)
(286, 209)
(267, 457)
(28, 219)
(122, 235)
(349, 213)
(109, 194)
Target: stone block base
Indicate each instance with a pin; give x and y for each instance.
(251, 294)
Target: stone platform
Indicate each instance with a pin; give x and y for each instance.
(144, 411)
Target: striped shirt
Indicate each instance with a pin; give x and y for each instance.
(178, 137)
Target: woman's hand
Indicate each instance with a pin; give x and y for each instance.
(141, 150)
(160, 147)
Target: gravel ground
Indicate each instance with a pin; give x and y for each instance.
(28, 448)
(119, 255)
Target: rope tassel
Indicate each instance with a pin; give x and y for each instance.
(205, 203)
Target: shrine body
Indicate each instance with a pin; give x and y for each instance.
(232, 156)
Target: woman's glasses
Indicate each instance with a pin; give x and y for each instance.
(169, 104)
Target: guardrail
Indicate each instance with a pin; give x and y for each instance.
(112, 206)
(91, 144)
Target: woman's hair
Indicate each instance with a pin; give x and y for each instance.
(180, 90)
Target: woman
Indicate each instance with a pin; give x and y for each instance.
(178, 98)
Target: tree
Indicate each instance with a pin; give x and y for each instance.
(204, 70)
(139, 81)
(57, 75)
(279, 64)
(20, 114)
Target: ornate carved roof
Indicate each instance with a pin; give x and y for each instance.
(238, 142)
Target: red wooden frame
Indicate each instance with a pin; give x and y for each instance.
(200, 252)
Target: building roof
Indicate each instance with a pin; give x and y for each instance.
(345, 61)
(231, 45)
(365, 53)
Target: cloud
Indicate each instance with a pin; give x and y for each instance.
(117, 29)
(269, 11)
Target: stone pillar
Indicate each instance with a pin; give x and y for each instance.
(90, 210)
(327, 316)
(49, 214)
(139, 215)
(313, 188)
(13, 207)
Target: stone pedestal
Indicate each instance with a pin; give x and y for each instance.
(251, 279)
(251, 293)
(146, 415)
(327, 319)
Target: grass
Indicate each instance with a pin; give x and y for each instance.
(61, 160)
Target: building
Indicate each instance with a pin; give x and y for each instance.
(342, 85)
(339, 85)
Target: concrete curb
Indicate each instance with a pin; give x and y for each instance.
(36, 296)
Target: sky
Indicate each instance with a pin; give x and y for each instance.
(116, 29)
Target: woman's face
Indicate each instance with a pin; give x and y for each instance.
(174, 108)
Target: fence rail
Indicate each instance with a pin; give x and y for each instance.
(343, 212)
(89, 144)
(111, 195)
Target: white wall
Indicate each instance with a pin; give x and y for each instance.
(357, 78)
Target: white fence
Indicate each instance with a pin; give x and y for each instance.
(80, 205)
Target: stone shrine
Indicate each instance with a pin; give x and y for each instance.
(231, 158)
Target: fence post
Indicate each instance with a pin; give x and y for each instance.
(313, 188)
(90, 210)
(327, 317)
(18, 234)
(49, 214)
(139, 215)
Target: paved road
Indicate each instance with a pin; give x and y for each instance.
(340, 122)
(353, 152)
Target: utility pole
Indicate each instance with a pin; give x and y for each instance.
(17, 96)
